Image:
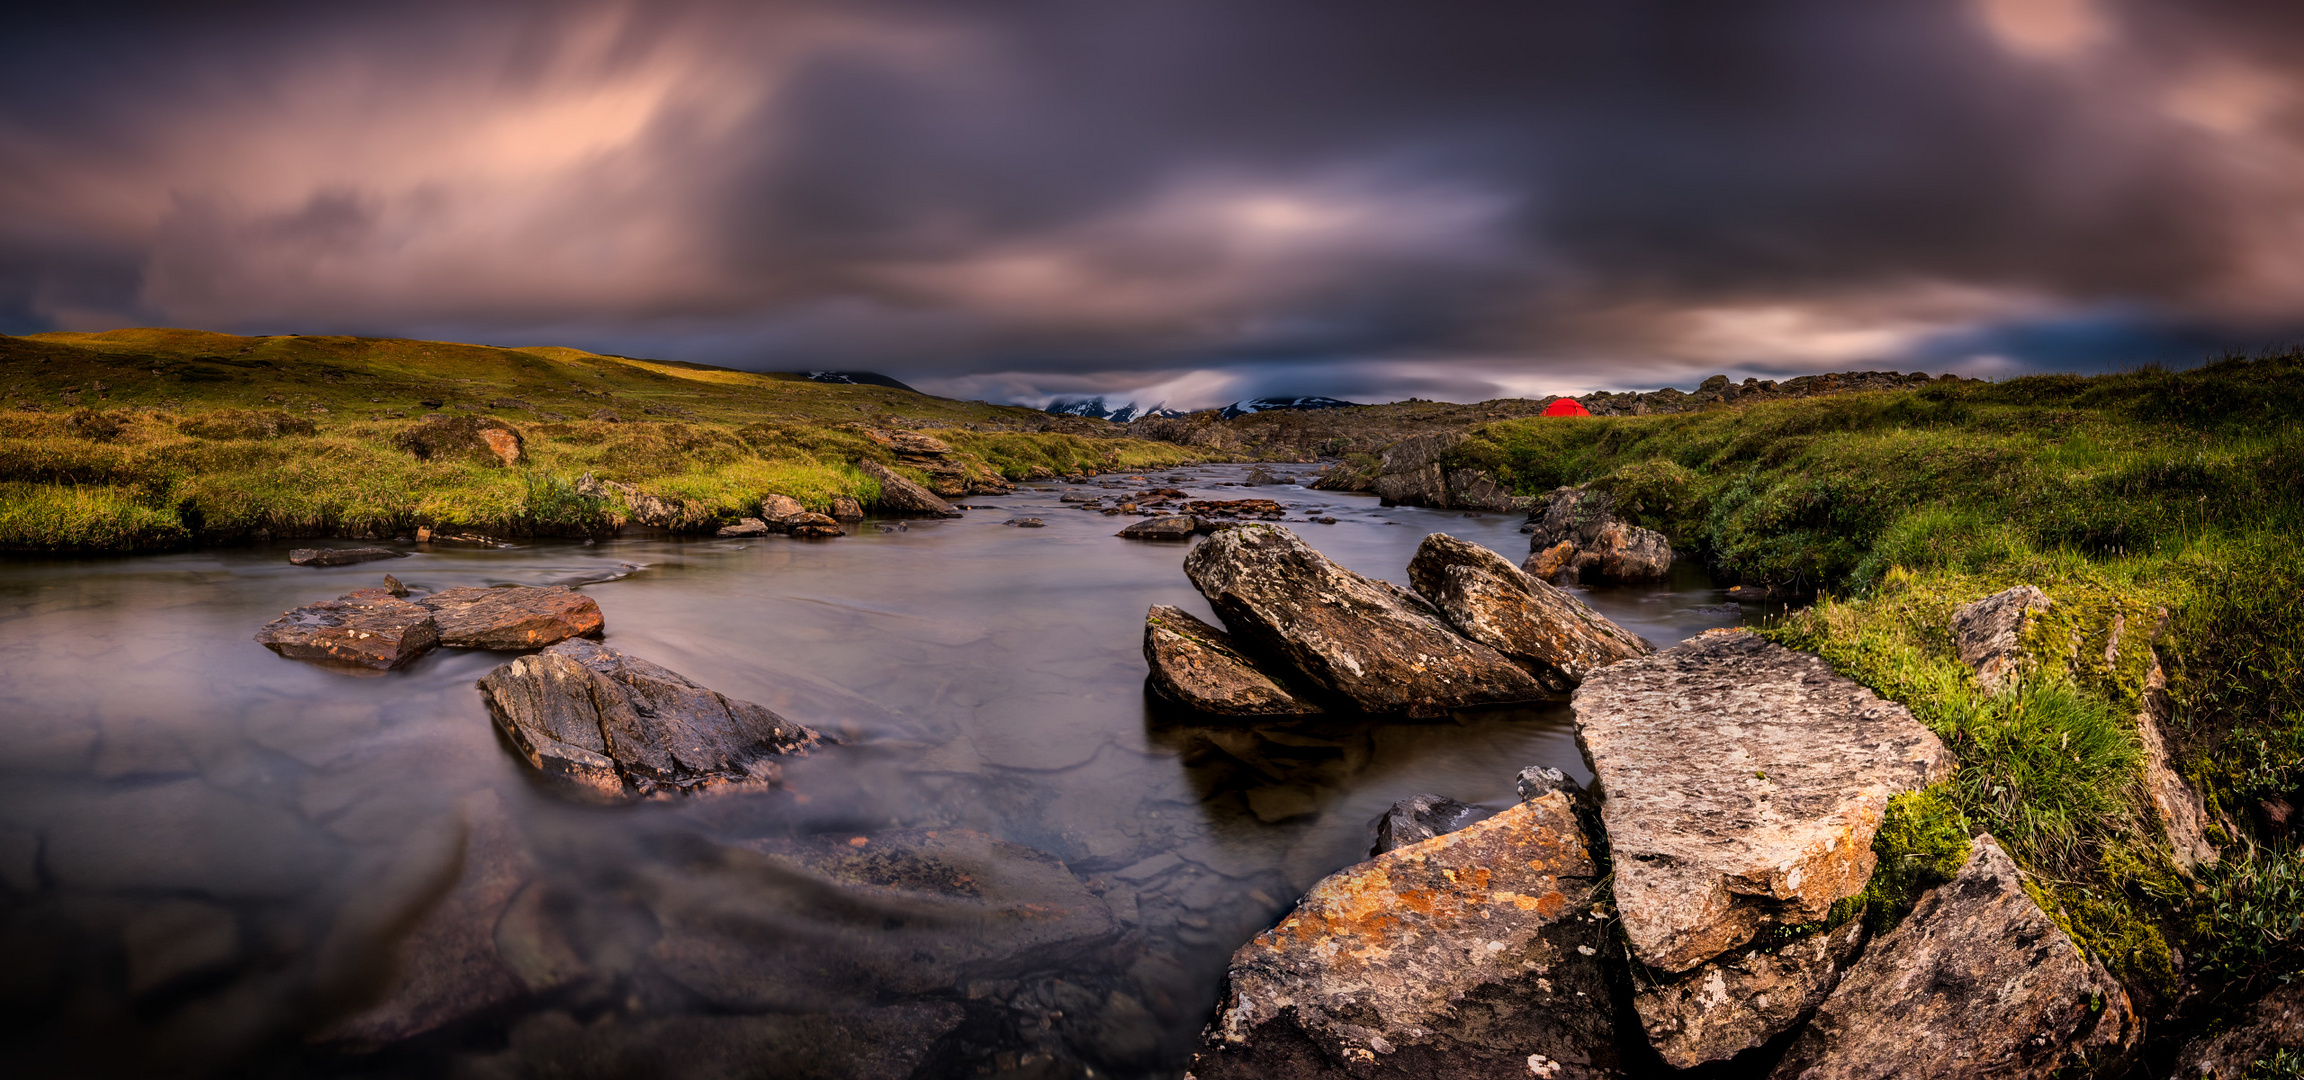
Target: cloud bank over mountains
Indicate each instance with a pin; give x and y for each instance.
(1189, 201)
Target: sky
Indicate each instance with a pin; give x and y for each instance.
(1189, 201)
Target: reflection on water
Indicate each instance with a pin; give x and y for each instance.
(215, 859)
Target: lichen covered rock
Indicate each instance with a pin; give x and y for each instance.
(1165, 527)
(1198, 666)
(1550, 633)
(1989, 634)
(899, 495)
(513, 616)
(1601, 548)
(1733, 1003)
(366, 629)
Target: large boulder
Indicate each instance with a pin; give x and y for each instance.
(1198, 666)
(1602, 547)
(1410, 469)
(1549, 632)
(615, 726)
(1365, 641)
(901, 496)
(1725, 1006)
(1741, 784)
(512, 616)
(1989, 634)
(1473, 954)
(1976, 982)
(370, 628)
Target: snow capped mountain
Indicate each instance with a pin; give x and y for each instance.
(856, 378)
(1097, 408)
(1267, 404)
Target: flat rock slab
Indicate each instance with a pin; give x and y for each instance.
(1167, 527)
(1472, 954)
(366, 629)
(1549, 632)
(1976, 982)
(512, 617)
(615, 726)
(899, 495)
(1741, 784)
(1724, 1007)
(341, 556)
(1202, 668)
(1366, 642)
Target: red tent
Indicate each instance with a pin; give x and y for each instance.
(1566, 406)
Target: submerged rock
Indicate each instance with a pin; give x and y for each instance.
(1726, 1006)
(1741, 784)
(512, 617)
(901, 496)
(369, 629)
(1169, 527)
(1363, 640)
(1472, 954)
(1418, 818)
(1989, 634)
(1550, 633)
(341, 556)
(1198, 666)
(1976, 982)
(614, 725)
(1602, 547)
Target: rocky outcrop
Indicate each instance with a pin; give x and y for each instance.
(901, 496)
(1723, 1007)
(341, 556)
(1976, 982)
(1410, 471)
(512, 616)
(1165, 527)
(1472, 954)
(370, 628)
(1418, 818)
(654, 511)
(1741, 784)
(1598, 546)
(2275, 1023)
(2183, 815)
(1200, 667)
(1363, 641)
(1550, 633)
(614, 726)
(1989, 634)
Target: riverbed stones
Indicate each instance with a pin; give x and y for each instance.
(341, 556)
(1550, 633)
(1472, 954)
(1201, 667)
(901, 496)
(1606, 548)
(1989, 634)
(1364, 641)
(1741, 784)
(1418, 818)
(1976, 982)
(1741, 1000)
(813, 526)
(613, 726)
(512, 616)
(1166, 527)
(367, 629)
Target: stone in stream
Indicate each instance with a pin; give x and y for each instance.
(1549, 632)
(1026, 523)
(1989, 634)
(370, 628)
(1741, 784)
(512, 616)
(1473, 954)
(1168, 527)
(341, 556)
(1728, 1005)
(807, 525)
(1198, 666)
(846, 509)
(1365, 641)
(613, 725)
(776, 509)
(1604, 548)
(1418, 818)
(1976, 982)
(748, 527)
(901, 496)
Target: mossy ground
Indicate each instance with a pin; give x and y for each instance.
(150, 439)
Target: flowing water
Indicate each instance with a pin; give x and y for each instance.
(216, 860)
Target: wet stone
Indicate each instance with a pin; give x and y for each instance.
(1545, 630)
(899, 495)
(341, 556)
(366, 629)
(1741, 1000)
(1200, 667)
(1418, 818)
(1169, 527)
(512, 617)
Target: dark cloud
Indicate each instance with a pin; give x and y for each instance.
(1188, 198)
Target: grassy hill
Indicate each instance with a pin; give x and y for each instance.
(156, 438)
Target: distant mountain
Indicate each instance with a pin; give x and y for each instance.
(1097, 408)
(1267, 404)
(858, 378)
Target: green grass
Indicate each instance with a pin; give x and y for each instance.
(144, 439)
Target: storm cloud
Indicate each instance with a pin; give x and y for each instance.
(1185, 200)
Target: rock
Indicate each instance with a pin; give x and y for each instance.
(1418, 818)
(777, 508)
(341, 556)
(1410, 469)
(1473, 954)
(1606, 549)
(2183, 816)
(1976, 982)
(918, 445)
(1538, 780)
(654, 511)
(475, 438)
(504, 443)
(1259, 476)
(1989, 634)
(392, 587)
(2273, 1024)
(746, 528)
(1547, 565)
(846, 509)
(512, 617)
(1741, 784)
(1026, 523)
(377, 631)
(1198, 666)
(813, 525)
(1553, 635)
(1726, 1006)
(613, 725)
(1365, 641)
(1475, 489)
(1170, 527)
(901, 496)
